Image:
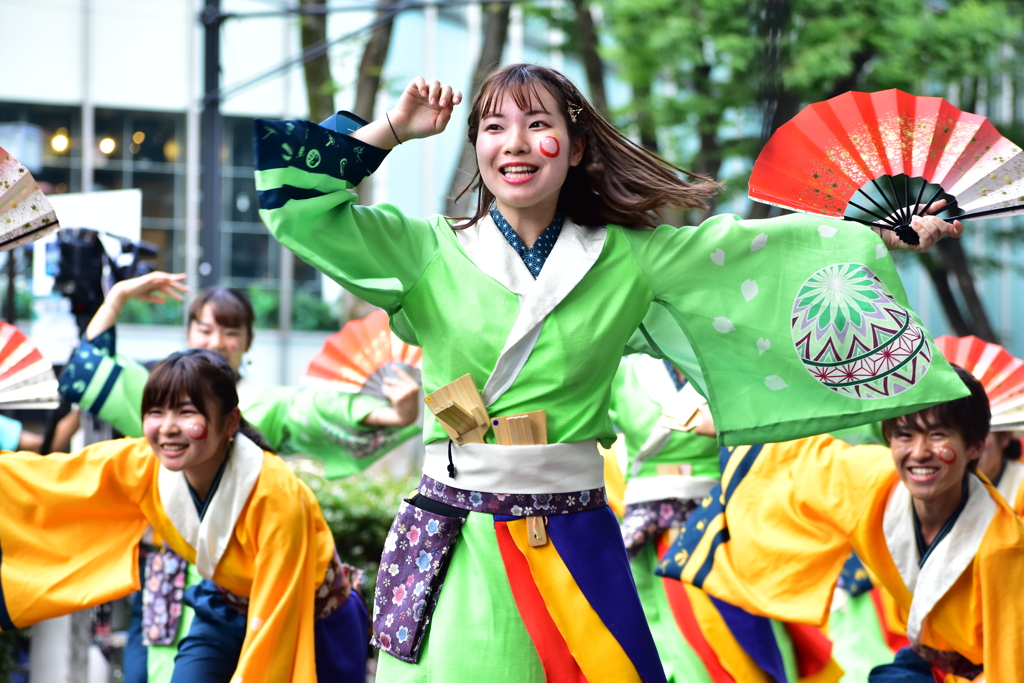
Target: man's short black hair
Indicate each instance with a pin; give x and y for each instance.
(969, 416)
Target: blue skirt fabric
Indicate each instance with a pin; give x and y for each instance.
(210, 651)
(906, 668)
(135, 659)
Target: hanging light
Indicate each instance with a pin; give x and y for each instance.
(107, 145)
(60, 141)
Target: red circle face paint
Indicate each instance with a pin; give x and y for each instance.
(946, 455)
(550, 147)
(196, 431)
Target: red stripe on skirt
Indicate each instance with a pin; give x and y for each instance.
(682, 611)
(813, 650)
(558, 662)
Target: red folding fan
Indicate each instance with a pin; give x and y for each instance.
(1000, 373)
(25, 213)
(870, 157)
(362, 355)
(26, 378)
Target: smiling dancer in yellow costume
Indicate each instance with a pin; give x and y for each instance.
(71, 525)
(938, 537)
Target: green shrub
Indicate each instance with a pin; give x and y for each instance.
(10, 643)
(359, 511)
(140, 313)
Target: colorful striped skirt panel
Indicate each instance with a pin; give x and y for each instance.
(564, 611)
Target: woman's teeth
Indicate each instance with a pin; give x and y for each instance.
(173, 447)
(516, 172)
(923, 471)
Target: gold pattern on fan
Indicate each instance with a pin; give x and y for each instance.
(524, 429)
(460, 410)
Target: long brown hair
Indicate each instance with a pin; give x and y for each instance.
(616, 181)
(203, 376)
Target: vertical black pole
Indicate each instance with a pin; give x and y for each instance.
(10, 311)
(212, 127)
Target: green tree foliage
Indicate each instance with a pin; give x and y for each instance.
(699, 66)
(359, 510)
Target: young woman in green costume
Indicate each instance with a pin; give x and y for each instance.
(346, 431)
(535, 296)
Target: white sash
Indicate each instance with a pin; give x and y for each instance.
(664, 487)
(210, 537)
(546, 468)
(574, 254)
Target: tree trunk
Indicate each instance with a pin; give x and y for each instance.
(940, 278)
(493, 44)
(956, 260)
(786, 107)
(589, 44)
(644, 116)
(371, 66)
(319, 85)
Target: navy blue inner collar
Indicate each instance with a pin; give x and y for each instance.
(536, 256)
(925, 550)
(203, 505)
(680, 383)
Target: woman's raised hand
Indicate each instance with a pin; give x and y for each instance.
(423, 109)
(154, 288)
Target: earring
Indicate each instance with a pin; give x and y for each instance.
(574, 111)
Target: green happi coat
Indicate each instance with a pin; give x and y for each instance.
(640, 393)
(718, 300)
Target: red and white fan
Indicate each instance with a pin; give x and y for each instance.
(869, 157)
(1000, 373)
(26, 378)
(362, 355)
(25, 213)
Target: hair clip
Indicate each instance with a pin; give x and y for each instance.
(574, 111)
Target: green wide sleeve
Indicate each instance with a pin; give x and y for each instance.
(790, 327)
(323, 424)
(304, 174)
(106, 384)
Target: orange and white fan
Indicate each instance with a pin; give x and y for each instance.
(871, 157)
(25, 213)
(999, 372)
(26, 378)
(362, 355)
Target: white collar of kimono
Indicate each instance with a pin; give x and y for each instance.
(574, 254)
(210, 537)
(1009, 484)
(655, 380)
(950, 558)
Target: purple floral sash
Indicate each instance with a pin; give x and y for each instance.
(644, 521)
(418, 549)
(163, 587)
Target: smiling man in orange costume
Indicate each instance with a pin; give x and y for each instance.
(939, 538)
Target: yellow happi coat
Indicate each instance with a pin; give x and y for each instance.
(70, 526)
(793, 512)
